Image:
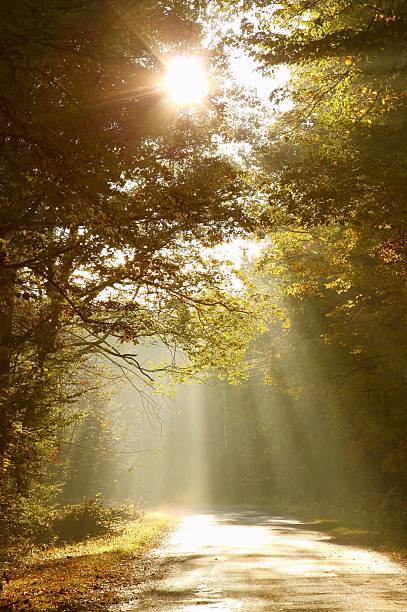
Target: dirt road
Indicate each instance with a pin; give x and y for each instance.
(251, 561)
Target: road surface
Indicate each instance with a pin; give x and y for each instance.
(249, 561)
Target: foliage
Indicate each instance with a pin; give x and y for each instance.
(91, 518)
(24, 519)
(340, 362)
(339, 154)
(334, 171)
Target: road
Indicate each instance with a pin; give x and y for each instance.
(249, 561)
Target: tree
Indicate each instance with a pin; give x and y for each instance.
(339, 154)
(110, 202)
(338, 356)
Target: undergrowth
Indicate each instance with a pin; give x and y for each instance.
(76, 575)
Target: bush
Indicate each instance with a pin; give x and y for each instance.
(24, 519)
(90, 518)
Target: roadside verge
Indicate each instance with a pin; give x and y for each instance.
(86, 575)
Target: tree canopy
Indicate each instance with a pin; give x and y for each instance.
(113, 201)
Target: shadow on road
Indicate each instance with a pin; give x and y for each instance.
(253, 560)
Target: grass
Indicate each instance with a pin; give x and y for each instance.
(73, 576)
(352, 534)
(344, 533)
(346, 530)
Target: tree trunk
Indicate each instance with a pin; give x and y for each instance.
(7, 290)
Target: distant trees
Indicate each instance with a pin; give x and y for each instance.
(88, 454)
(338, 358)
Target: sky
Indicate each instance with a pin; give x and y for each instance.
(246, 73)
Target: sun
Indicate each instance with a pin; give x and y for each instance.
(185, 80)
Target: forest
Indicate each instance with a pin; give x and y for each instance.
(203, 258)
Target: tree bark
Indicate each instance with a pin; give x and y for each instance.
(7, 292)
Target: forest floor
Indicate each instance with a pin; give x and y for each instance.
(87, 575)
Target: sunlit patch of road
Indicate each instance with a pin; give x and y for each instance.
(253, 561)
